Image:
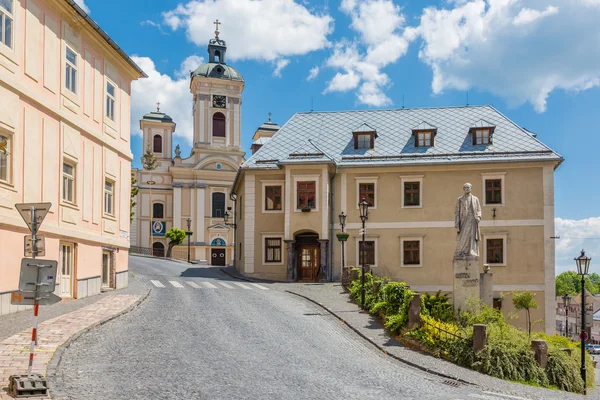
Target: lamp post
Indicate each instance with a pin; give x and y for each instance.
(151, 183)
(189, 235)
(583, 266)
(567, 302)
(234, 226)
(342, 238)
(364, 215)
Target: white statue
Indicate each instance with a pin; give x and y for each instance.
(468, 215)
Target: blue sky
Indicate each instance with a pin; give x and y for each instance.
(537, 61)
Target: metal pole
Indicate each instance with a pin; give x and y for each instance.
(36, 305)
(151, 215)
(582, 333)
(362, 279)
(188, 235)
(566, 321)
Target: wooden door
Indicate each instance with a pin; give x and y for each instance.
(308, 263)
(66, 270)
(218, 257)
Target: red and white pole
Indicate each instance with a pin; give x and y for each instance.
(33, 335)
(36, 305)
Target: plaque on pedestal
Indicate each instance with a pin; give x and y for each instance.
(466, 282)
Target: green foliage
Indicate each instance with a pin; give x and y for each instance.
(438, 306)
(525, 301)
(398, 321)
(176, 237)
(149, 162)
(477, 312)
(569, 283)
(563, 371)
(134, 192)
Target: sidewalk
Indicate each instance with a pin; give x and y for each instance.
(14, 351)
(336, 300)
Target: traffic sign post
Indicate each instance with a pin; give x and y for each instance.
(40, 246)
(21, 298)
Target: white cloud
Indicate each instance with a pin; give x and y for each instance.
(499, 46)
(574, 236)
(254, 29)
(189, 65)
(81, 3)
(381, 41)
(279, 66)
(313, 73)
(173, 94)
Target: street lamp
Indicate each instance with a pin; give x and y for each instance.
(567, 302)
(151, 183)
(583, 266)
(364, 215)
(189, 235)
(226, 218)
(343, 236)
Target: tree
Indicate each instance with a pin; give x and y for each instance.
(134, 192)
(149, 162)
(175, 236)
(525, 301)
(569, 283)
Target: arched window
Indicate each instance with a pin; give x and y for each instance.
(158, 249)
(218, 204)
(217, 56)
(158, 210)
(157, 144)
(219, 125)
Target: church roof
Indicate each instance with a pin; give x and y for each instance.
(218, 70)
(331, 132)
(157, 116)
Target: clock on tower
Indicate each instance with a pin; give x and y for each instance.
(219, 101)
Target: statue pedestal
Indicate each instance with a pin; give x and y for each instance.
(466, 282)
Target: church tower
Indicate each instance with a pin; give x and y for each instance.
(158, 128)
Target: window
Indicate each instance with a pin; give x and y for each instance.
(495, 251)
(482, 136)
(68, 192)
(366, 252)
(6, 22)
(157, 144)
(424, 139)
(240, 252)
(4, 157)
(364, 141)
(493, 191)
(109, 191)
(367, 191)
(412, 252)
(218, 204)
(158, 210)
(273, 198)
(412, 196)
(306, 194)
(110, 101)
(272, 250)
(219, 125)
(70, 70)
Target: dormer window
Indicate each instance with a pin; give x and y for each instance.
(364, 137)
(481, 133)
(424, 134)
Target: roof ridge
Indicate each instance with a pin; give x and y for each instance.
(395, 109)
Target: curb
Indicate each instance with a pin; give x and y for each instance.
(410, 363)
(52, 367)
(243, 278)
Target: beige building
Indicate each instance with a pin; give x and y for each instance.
(195, 188)
(64, 123)
(410, 165)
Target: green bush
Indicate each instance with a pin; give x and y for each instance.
(563, 371)
(438, 307)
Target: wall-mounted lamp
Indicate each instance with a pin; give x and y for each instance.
(494, 212)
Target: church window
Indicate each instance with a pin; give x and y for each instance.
(6, 22)
(306, 194)
(157, 144)
(5, 157)
(217, 56)
(219, 125)
(158, 210)
(218, 204)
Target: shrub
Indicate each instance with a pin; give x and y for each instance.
(563, 371)
(398, 321)
(438, 306)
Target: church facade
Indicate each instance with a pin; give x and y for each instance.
(410, 165)
(194, 190)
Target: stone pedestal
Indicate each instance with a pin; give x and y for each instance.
(486, 289)
(414, 312)
(540, 350)
(479, 337)
(466, 282)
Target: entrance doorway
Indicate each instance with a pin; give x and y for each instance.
(217, 257)
(107, 269)
(308, 257)
(158, 249)
(67, 258)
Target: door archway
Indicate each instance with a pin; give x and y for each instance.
(308, 256)
(158, 249)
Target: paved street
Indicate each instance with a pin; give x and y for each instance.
(203, 335)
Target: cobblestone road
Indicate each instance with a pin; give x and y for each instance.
(201, 335)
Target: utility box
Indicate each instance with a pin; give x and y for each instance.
(28, 386)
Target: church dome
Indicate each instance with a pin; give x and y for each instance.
(218, 70)
(157, 116)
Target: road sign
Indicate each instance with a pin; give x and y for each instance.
(583, 336)
(30, 267)
(41, 209)
(41, 246)
(20, 298)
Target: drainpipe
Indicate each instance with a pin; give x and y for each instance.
(332, 217)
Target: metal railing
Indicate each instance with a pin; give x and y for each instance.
(444, 334)
(144, 251)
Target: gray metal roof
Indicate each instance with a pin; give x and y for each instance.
(331, 133)
(261, 140)
(157, 116)
(217, 70)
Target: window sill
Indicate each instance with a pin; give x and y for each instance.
(272, 211)
(269, 264)
(67, 204)
(8, 186)
(494, 205)
(110, 217)
(412, 266)
(412, 206)
(496, 265)
(307, 211)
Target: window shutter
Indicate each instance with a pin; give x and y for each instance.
(473, 137)
(355, 141)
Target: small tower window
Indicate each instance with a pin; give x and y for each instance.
(219, 125)
(157, 144)
(217, 56)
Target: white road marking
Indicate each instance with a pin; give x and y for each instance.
(192, 284)
(157, 283)
(209, 285)
(258, 286)
(228, 286)
(241, 285)
(176, 284)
